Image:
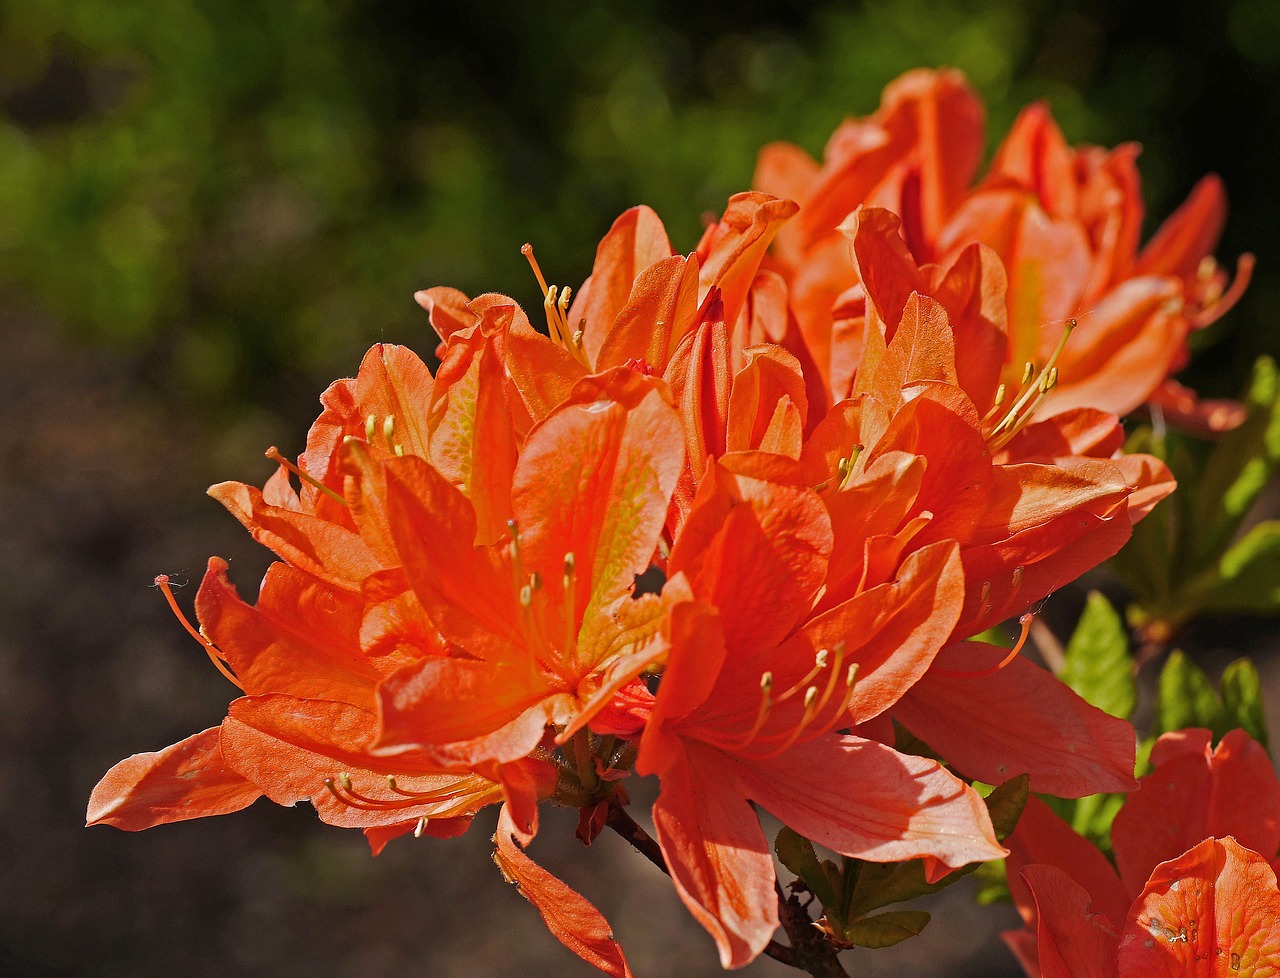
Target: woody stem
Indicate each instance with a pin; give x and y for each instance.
(808, 951)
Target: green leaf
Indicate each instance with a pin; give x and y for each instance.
(1238, 468)
(1098, 664)
(1005, 804)
(797, 854)
(886, 929)
(1186, 699)
(1247, 577)
(1093, 816)
(1242, 700)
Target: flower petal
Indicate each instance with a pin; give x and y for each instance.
(188, 779)
(717, 855)
(568, 915)
(1019, 719)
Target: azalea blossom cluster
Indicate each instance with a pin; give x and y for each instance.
(731, 519)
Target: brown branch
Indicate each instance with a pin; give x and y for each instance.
(809, 950)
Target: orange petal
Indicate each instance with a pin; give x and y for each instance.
(1197, 792)
(302, 637)
(463, 712)
(717, 855)
(1073, 940)
(738, 244)
(659, 310)
(1213, 912)
(636, 240)
(1042, 837)
(864, 799)
(594, 480)
(756, 550)
(189, 779)
(330, 552)
(1018, 720)
(1189, 234)
(568, 915)
(289, 747)
(893, 630)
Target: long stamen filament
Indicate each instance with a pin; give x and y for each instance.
(273, 453)
(1034, 385)
(214, 653)
(1025, 621)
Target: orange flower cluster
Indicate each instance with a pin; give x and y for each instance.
(1196, 889)
(830, 455)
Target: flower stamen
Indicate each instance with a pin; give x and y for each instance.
(1025, 621)
(273, 453)
(214, 653)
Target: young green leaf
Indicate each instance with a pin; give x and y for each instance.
(1242, 699)
(1098, 664)
(886, 929)
(1186, 699)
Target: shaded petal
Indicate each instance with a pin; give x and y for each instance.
(568, 915)
(302, 637)
(1042, 837)
(1195, 792)
(864, 799)
(188, 779)
(289, 747)
(756, 550)
(1072, 940)
(717, 855)
(1214, 911)
(463, 711)
(1018, 720)
(330, 552)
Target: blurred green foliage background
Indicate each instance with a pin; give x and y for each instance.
(210, 208)
(240, 193)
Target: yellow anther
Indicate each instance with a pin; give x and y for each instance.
(370, 428)
(810, 695)
(420, 827)
(820, 660)
(389, 429)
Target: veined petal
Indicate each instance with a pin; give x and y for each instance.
(1073, 939)
(864, 799)
(289, 747)
(594, 480)
(1019, 719)
(717, 855)
(568, 915)
(189, 779)
(1195, 792)
(1214, 911)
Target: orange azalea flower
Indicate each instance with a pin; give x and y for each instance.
(544, 622)
(702, 322)
(1195, 893)
(755, 685)
(1065, 223)
(302, 729)
(911, 461)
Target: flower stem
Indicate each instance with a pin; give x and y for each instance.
(809, 951)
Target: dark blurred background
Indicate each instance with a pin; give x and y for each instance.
(208, 210)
